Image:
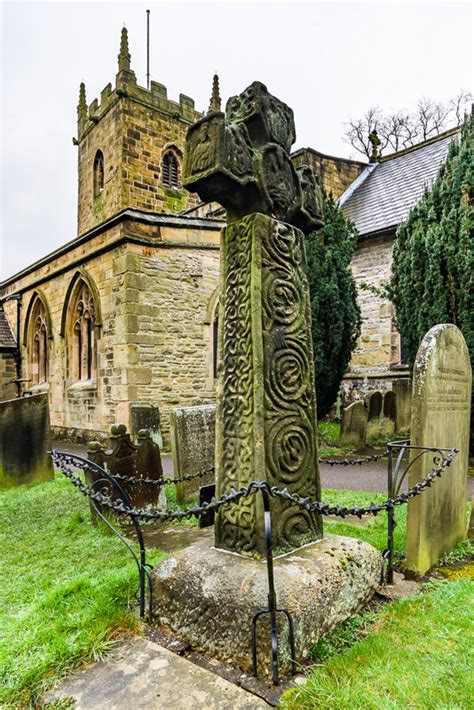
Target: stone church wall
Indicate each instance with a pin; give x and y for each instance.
(171, 297)
(336, 174)
(7, 373)
(375, 361)
(156, 291)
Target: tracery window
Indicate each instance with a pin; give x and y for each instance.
(38, 344)
(170, 169)
(98, 173)
(83, 334)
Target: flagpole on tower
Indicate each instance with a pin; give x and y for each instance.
(148, 49)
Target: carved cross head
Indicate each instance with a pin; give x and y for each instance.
(241, 159)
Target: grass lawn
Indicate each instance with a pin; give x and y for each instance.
(69, 589)
(418, 654)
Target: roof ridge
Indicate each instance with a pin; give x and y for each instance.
(417, 146)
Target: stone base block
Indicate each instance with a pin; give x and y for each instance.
(209, 597)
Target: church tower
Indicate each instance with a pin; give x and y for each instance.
(131, 148)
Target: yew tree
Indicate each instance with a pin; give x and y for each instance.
(335, 313)
(433, 258)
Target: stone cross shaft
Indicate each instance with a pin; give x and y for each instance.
(266, 409)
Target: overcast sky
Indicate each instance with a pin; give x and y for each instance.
(326, 60)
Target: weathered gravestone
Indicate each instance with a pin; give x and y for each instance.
(354, 425)
(266, 413)
(25, 439)
(440, 417)
(402, 391)
(141, 460)
(146, 416)
(193, 442)
(374, 404)
(389, 413)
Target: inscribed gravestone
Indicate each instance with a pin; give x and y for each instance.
(402, 391)
(25, 439)
(193, 441)
(354, 425)
(374, 403)
(440, 417)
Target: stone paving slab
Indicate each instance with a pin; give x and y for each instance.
(140, 674)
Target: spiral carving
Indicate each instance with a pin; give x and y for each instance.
(267, 403)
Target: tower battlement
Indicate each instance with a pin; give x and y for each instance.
(156, 97)
(123, 141)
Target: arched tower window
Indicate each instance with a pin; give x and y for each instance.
(98, 173)
(38, 338)
(170, 169)
(82, 333)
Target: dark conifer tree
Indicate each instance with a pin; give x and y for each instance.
(335, 312)
(433, 258)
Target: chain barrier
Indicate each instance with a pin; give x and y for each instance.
(164, 480)
(72, 463)
(211, 469)
(68, 464)
(355, 462)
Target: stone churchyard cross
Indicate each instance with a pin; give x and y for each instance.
(266, 408)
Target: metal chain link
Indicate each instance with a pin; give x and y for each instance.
(70, 462)
(354, 462)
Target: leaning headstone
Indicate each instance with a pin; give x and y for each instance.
(138, 461)
(354, 425)
(193, 443)
(440, 418)
(25, 439)
(402, 391)
(374, 404)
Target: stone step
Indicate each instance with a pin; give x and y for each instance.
(141, 674)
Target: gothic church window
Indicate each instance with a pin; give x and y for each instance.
(170, 169)
(82, 334)
(38, 343)
(98, 173)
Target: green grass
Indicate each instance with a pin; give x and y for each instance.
(329, 434)
(67, 588)
(375, 531)
(418, 654)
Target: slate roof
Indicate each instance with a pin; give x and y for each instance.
(7, 341)
(384, 193)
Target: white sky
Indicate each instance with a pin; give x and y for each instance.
(327, 60)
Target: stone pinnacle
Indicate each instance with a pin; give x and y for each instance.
(124, 55)
(82, 105)
(215, 104)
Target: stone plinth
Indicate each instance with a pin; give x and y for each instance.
(210, 596)
(441, 406)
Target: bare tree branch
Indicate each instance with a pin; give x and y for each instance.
(401, 129)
